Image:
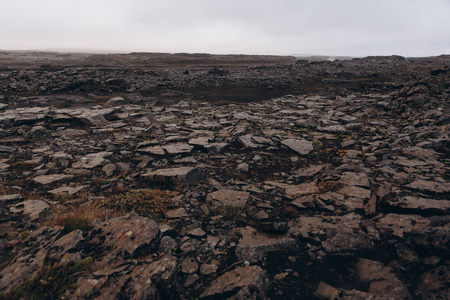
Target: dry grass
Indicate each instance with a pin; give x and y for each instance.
(79, 216)
(151, 203)
(290, 212)
(229, 212)
(51, 282)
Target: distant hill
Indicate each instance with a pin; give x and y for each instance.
(315, 57)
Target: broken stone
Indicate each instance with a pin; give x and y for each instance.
(115, 101)
(178, 148)
(429, 186)
(186, 175)
(49, 179)
(296, 190)
(302, 147)
(252, 278)
(121, 238)
(189, 265)
(253, 246)
(228, 198)
(34, 209)
(421, 204)
(91, 161)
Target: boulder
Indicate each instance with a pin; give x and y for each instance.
(116, 240)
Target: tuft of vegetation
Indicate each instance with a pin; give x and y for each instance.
(290, 212)
(150, 203)
(51, 282)
(78, 215)
(229, 212)
(73, 221)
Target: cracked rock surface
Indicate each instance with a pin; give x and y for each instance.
(340, 194)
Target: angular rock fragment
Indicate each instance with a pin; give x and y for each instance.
(28, 261)
(429, 186)
(228, 198)
(381, 279)
(122, 238)
(299, 190)
(302, 147)
(398, 224)
(253, 246)
(178, 148)
(49, 179)
(91, 161)
(115, 101)
(186, 175)
(421, 204)
(246, 282)
(155, 150)
(33, 209)
(7, 149)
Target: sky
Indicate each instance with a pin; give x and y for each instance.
(278, 27)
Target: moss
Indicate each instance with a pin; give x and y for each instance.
(51, 282)
(150, 203)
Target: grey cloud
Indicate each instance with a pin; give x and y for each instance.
(347, 27)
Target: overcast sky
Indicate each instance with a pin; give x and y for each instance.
(328, 27)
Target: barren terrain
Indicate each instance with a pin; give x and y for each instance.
(185, 176)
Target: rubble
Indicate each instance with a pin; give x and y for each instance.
(334, 191)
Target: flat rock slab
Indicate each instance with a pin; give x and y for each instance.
(7, 149)
(155, 150)
(188, 175)
(302, 147)
(68, 243)
(254, 245)
(68, 190)
(176, 213)
(354, 197)
(34, 209)
(91, 161)
(298, 190)
(339, 234)
(201, 141)
(118, 239)
(381, 279)
(115, 101)
(422, 204)
(398, 224)
(49, 179)
(355, 179)
(178, 148)
(30, 259)
(228, 198)
(252, 278)
(429, 186)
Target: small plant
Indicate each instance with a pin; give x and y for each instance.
(23, 235)
(73, 221)
(51, 281)
(78, 215)
(151, 203)
(290, 212)
(230, 212)
(328, 186)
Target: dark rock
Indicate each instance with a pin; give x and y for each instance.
(186, 175)
(251, 279)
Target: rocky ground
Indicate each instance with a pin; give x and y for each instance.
(337, 191)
